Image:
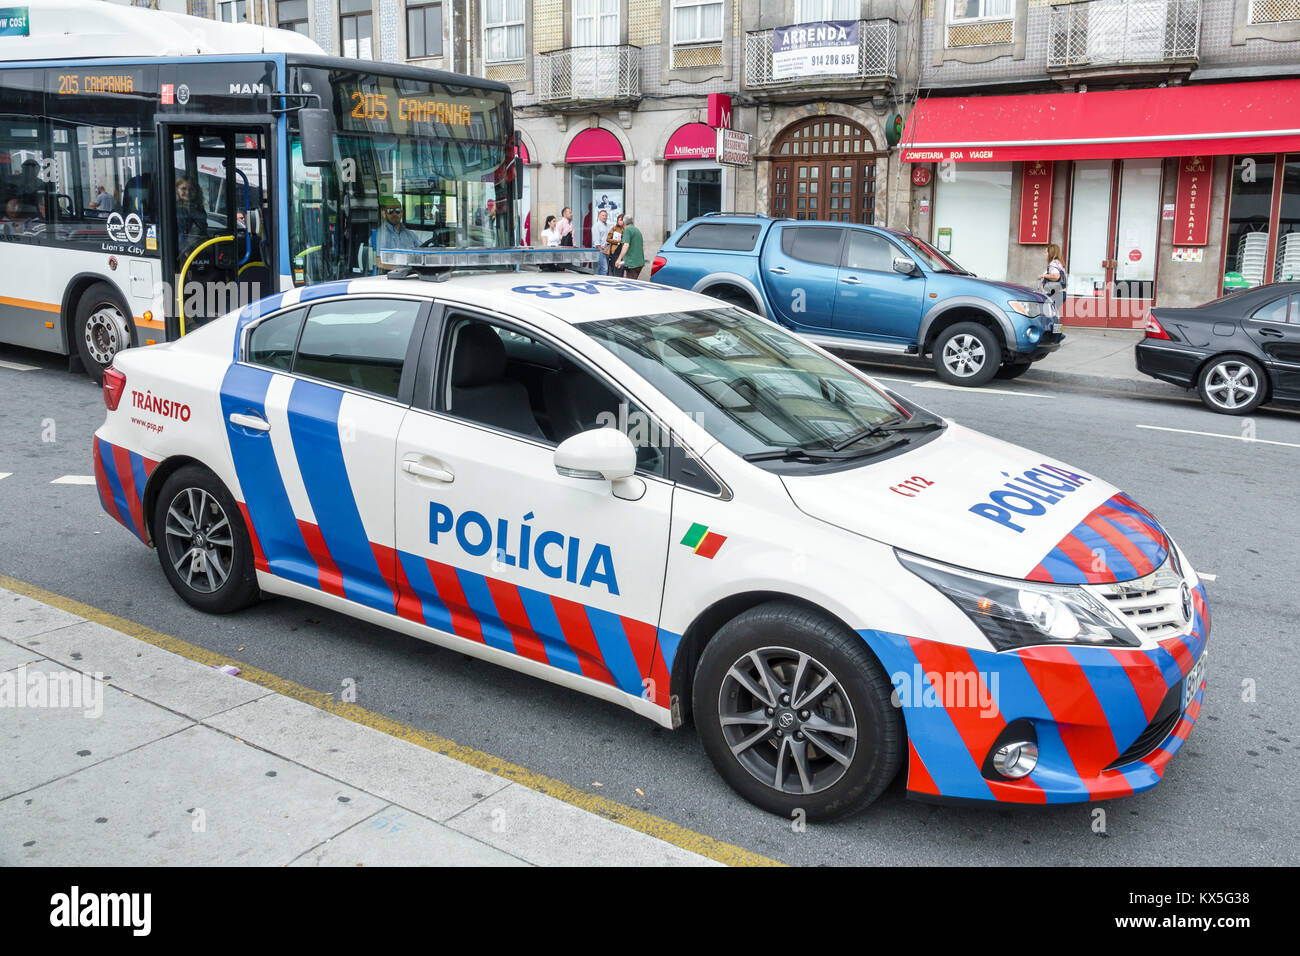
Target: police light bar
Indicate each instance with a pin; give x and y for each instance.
(507, 257)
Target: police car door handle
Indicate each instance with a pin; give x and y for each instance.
(250, 421)
(413, 467)
(779, 271)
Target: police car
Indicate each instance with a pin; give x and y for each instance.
(666, 502)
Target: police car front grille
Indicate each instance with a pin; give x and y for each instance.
(1153, 604)
(1161, 726)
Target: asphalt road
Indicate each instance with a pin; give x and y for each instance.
(1231, 797)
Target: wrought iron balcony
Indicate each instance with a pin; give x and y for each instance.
(877, 60)
(582, 75)
(1121, 32)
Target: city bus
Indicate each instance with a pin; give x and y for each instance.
(142, 195)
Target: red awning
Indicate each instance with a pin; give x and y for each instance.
(1211, 120)
(594, 145)
(692, 141)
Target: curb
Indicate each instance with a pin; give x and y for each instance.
(1127, 386)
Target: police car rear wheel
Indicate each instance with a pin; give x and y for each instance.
(202, 543)
(794, 711)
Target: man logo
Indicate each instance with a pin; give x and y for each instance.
(247, 89)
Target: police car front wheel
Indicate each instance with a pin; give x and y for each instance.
(202, 543)
(794, 711)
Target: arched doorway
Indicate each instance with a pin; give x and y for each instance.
(825, 168)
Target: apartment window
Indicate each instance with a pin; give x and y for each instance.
(595, 22)
(982, 9)
(812, 11)
(697, 21)
(234, 11)
(292, 15)
(503, 30)
(1274, 11)
(424, 30)
(356, 29)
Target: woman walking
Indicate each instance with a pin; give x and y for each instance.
(613, 244)
(1052, 279)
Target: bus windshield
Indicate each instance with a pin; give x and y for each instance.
(418, 165)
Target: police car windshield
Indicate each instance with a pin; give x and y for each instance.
(747, 382)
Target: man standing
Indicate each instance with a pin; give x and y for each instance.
(632, 254)
(599, 232)
(565, 228)
(103, 199)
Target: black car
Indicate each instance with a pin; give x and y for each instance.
(1238, 351)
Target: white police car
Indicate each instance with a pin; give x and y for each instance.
(668, 503)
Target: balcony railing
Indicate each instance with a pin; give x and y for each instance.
(1116, 32)
(877, 59)
(590, 74)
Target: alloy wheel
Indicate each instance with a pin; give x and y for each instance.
(199, 540)
(964, 355)
(787, 720)
(1231, 384)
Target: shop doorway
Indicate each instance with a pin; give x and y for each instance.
(1113, 239)
(824, 168)
(697, 191)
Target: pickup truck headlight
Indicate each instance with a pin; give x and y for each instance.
(1013, 613)
(1030, 308)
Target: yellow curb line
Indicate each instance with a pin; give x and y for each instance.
(630, 817)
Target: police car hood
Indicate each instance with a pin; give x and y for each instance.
(987, 505)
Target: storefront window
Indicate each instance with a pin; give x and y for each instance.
(594, 187)
(973, 217)
(1286, 266)
(1248, 247)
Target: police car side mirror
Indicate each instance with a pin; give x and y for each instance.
(600, 454)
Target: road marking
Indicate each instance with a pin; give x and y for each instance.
(74, 480)
(1188, 431)
(982, 390)
(14, 366)
(1208, 577)
(5, 474)
(630, 817)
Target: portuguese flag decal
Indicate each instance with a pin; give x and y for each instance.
(703, 541)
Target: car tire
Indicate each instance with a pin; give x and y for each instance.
(735, 297)
(757, 741)
(102, 328)
(1012, 370)
(223, 578)
(1232, 385)
(967, 354)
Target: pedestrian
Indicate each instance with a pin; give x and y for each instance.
(599, 233)
(103, 199)
(631, 256)
(565, 227)
(613, 243)
(550, 239)
(1052, 280)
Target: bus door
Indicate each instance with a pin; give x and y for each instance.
(218, 235)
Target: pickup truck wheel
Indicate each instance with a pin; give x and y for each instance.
(736, 298)
(795, 713)
(1013, 370)
(967, 354)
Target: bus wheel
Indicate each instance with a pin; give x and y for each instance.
(101, 330)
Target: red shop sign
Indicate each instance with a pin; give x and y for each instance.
(920, 175)
(1036, 202)
(1192, 204)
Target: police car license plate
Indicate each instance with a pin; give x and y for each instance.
(1192, 682)
(1058, 327)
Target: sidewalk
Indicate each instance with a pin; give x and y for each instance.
(1099, 358)
(168, 761)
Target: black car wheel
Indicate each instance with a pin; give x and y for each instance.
(1232, 385)
(202, 543)
(967, 354)
(794, 711)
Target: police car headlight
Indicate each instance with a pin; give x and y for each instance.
(1013, 613)
(1031, 308)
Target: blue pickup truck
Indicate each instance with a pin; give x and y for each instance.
(862, 288)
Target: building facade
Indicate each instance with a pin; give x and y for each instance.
(1090, 125)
